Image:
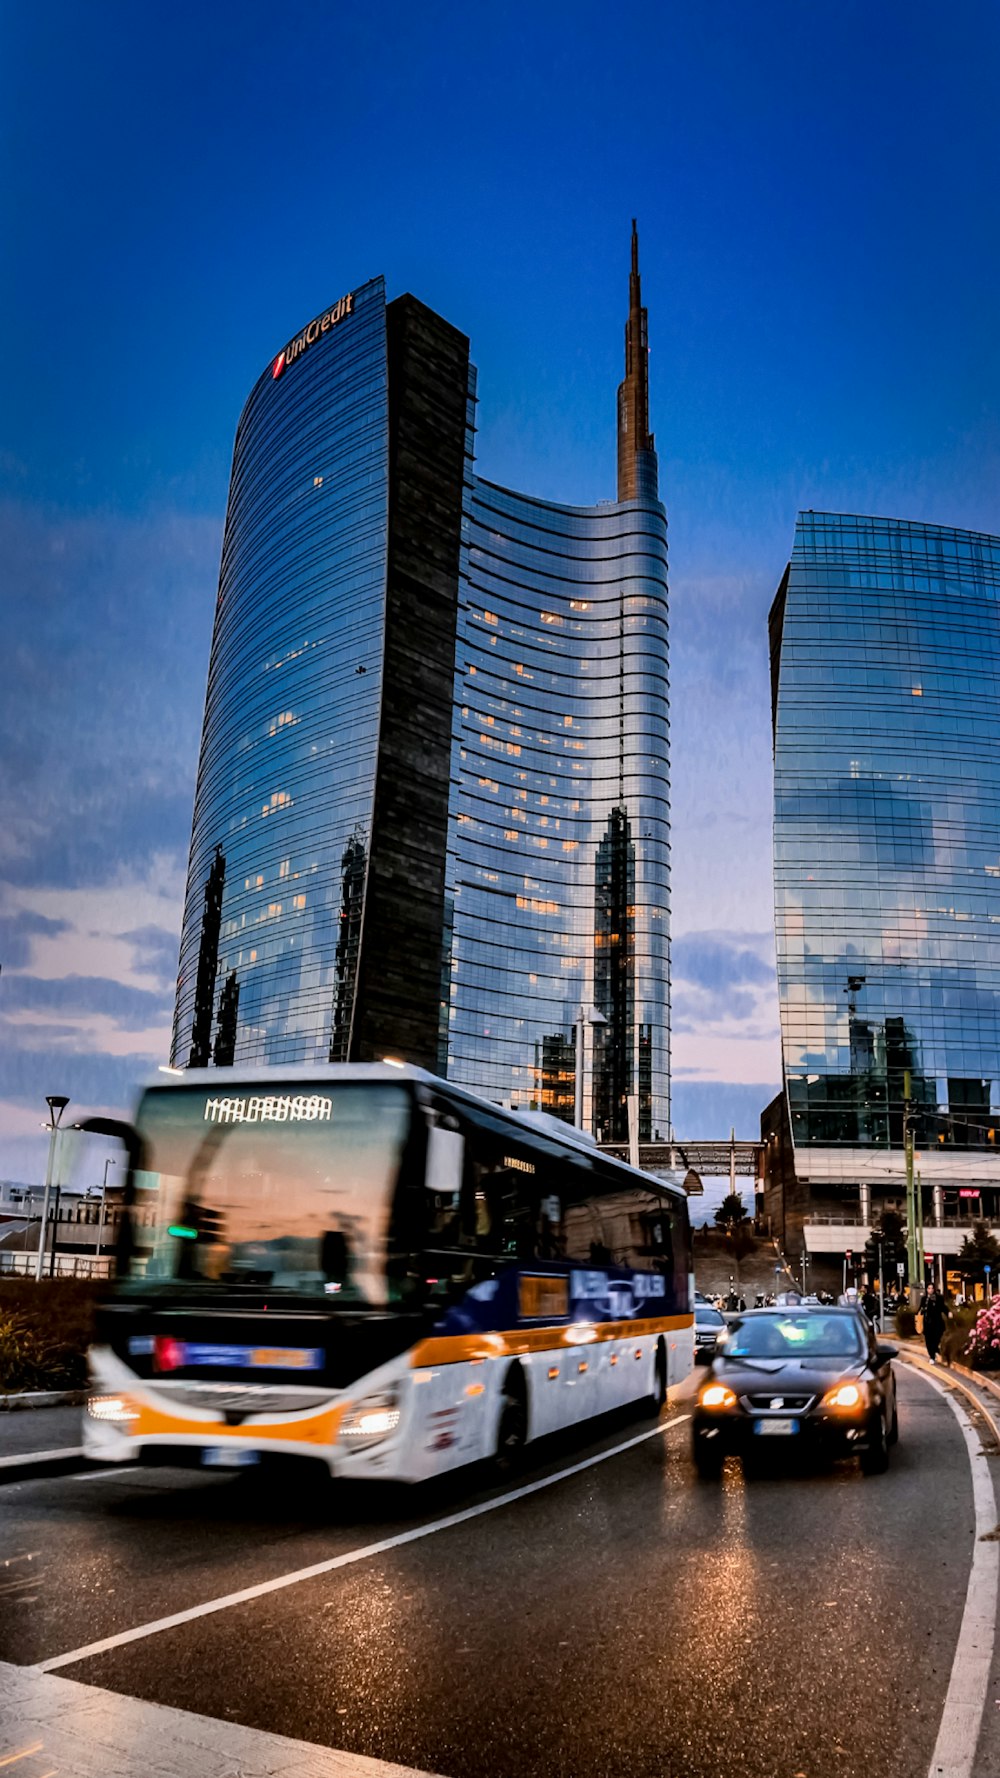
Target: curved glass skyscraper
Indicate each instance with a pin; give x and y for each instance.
(432, 812)
(561, 841)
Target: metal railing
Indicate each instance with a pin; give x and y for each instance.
(67, 1265)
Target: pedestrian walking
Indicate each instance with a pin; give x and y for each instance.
(933, 1313)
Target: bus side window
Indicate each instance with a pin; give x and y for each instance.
(585, 1234)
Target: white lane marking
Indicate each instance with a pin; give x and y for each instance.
(41, 1456)
(349, 1556)
(96, 1475)
(961, 1720)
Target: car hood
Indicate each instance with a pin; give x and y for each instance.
(746, 1376)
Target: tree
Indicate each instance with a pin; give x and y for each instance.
(732, 1219)
(732, 1212)
(979, 1250)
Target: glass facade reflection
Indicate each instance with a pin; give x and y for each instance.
(287, 770)
(885, 645)
(560, 855)
(432, 806)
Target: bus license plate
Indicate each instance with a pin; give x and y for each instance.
(776, 1428)
(228, 1457)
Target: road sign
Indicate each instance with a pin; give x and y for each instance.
(849, 1254)
(900, 1268)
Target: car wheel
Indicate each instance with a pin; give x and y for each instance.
(894, 1428)
(655, 1401)
(708, 1459)
(875, 1461)
(512, 1431)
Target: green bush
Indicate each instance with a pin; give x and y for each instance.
(955, 1338)
(45, 1330)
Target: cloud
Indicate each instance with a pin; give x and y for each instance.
(157, 950)
(100, 720)
(709, 1109)
(16, 933)
(85, 996)
(92, 1080)
(720, 960)
(725, 1007)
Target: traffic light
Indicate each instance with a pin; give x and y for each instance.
(871, 1256)
(889, 1253)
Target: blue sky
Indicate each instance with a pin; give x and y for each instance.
(182, 187)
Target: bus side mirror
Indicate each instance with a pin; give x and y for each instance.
(445, 1159)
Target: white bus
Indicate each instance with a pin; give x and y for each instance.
(365, 1265)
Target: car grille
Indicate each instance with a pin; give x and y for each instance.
(776, 1401)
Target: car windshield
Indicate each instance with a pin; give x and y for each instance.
(707, 1317)
(794, 1335)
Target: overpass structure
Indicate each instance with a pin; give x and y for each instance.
(743, 1160)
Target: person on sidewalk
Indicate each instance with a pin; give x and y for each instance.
(933, 1313)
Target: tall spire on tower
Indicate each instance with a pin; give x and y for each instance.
(637, 473)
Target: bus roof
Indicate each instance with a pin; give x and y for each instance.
(219, 1079)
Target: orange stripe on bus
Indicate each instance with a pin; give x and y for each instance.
(461, 1348)
(318, 1429)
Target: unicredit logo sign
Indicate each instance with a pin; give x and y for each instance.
(322, 324)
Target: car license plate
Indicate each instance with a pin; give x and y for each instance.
(228, 1457)
(776, 1428)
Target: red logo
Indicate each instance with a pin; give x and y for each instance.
(279, 365)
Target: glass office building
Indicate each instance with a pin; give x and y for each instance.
(316, 882)
(885, 656)
(560, 853)
(432, 809)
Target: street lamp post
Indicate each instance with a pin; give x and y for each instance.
(110, 1162)
(57, 1105)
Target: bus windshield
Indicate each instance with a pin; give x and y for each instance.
(285, 1187)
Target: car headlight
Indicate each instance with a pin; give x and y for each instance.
(847, 1397)
(717, 1396)
(371, 1420)
(112, 1408)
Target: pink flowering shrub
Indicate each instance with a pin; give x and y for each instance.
(982, 1349)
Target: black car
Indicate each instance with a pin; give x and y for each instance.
(797, 1378)
(709, 1323)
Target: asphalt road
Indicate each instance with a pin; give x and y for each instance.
(628, 1619)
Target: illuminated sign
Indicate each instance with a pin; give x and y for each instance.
(272, 1108)
(322, 324)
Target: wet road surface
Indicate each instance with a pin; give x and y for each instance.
(628, 1619)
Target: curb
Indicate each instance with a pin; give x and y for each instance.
(941, 1374)
(42, 1398)
(41, 1463)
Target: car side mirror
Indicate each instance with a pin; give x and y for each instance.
(885, 1354)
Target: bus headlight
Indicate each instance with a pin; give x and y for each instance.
(371, 1420)
(112, 1408)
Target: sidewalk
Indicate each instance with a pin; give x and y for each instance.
(50, 1725)
(46, 1441)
